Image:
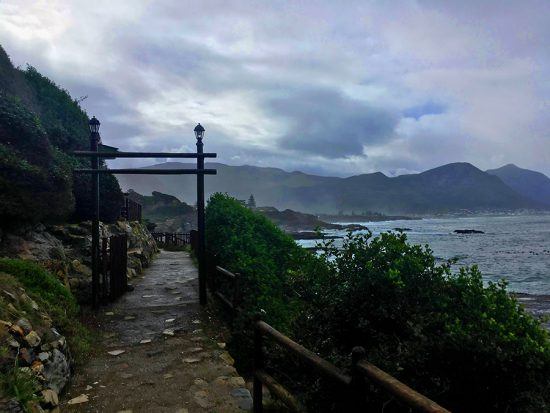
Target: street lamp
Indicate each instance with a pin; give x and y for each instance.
(94, 125)
(199, 132)
(94, 145)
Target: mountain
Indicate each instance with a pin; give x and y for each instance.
(449, 188)
(532, 184)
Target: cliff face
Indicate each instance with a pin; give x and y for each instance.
(65, 250)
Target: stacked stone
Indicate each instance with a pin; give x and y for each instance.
(42, 357)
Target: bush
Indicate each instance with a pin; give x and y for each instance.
(468, 346)
(248, 243)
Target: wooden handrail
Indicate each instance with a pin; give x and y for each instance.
(398, 389)
(225, 272)
(308, 356)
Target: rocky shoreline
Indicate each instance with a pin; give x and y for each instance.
(537, 305)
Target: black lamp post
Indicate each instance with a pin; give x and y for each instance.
(95, 139)
(199, 134)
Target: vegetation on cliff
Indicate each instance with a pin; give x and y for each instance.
(468, 346)
(40, 125)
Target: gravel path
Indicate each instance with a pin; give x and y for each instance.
(155, 355)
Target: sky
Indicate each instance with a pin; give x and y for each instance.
(325, 87)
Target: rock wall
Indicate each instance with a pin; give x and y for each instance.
(33, 351)
(65, 250)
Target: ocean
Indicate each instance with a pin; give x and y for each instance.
(516, 248)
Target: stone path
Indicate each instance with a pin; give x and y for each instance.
(156, 355)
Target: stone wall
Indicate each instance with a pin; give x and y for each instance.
(65, 250)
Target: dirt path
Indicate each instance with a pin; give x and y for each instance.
(180, 369)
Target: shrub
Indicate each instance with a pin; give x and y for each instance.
(468, 346)
(248, 243)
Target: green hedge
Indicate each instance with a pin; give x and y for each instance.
(468, 346)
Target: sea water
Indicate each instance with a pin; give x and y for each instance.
(516, 248)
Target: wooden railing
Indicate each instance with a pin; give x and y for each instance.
(362, 372)
(176, 239)
(131, 210)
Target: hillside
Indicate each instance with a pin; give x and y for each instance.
(532, 184)
(449, 188)
(40, 125)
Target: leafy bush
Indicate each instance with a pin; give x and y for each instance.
(248, 243)
(40, 125)
(468, 346)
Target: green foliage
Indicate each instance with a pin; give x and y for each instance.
(20, 384)
(468, 346)
(40, 125)
(248, 243)
(54, 298)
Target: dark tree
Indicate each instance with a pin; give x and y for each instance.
(251, 202)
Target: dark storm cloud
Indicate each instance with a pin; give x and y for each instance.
(327, 123)
(303, 85)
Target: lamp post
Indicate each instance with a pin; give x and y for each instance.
(95, 139)
(199, 134)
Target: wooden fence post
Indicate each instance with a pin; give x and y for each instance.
(104, 267)
(357, 390)
(236, 293)
(258, 365)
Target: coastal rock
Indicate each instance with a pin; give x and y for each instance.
(468, 231)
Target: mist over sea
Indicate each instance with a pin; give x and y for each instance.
(516, 248)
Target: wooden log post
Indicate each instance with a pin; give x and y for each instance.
(104, 267)
(257, 396)
(357, 401)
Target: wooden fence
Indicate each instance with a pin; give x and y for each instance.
(131, 210)
(176, 239)
(354, 384)
(113, 263)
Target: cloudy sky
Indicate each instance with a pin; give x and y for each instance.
(319, 86)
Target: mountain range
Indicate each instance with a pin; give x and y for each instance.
(451, 188)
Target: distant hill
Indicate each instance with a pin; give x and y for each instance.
(449, 188)
(532, 184)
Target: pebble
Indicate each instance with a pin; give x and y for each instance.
(88, 388)
(109, 313)
(200, 382)
(129, 317)
(83, 398)
(168, 376)
(201, 398)
(193, 350)
(170, 320)
(221, 345)
(33, 339)
(50, 397)
(168, 332)
(244, 398)
(227, 358)
(116, 352)
(191, 359)
(146, 341)
(196, 321)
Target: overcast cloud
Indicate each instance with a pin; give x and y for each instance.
(326, 87)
